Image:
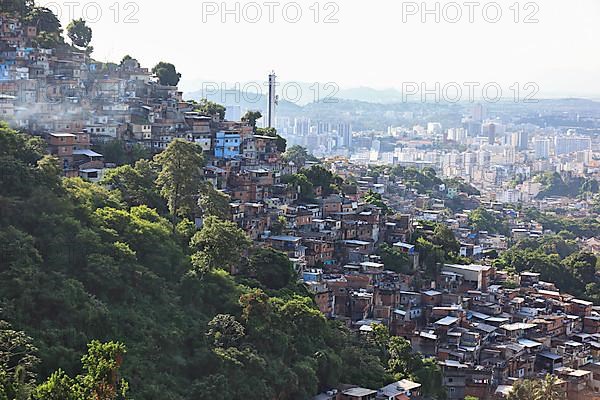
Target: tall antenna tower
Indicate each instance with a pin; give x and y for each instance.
(272, 101)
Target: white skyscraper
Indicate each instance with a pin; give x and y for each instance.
(541, 147)
(571, 144)
(479, 112)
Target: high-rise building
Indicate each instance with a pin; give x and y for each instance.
(484, 158)
(520, 140)
(323, 127)
(301, 126)
(479, 112)
(541, 148)
(458, 135)
(344, 131)
(472, 127)
(571, 144)
(491, 133)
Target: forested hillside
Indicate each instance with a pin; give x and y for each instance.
(121, 263)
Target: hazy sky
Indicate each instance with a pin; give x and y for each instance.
(370, 45)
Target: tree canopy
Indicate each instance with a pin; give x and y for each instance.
(79, 33)
(180, 176)
(298, 155)
(272, 268)
(211, 109)
(44, 20)
(251, 117)
(166, 73)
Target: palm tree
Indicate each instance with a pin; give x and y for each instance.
(524, 390)
(550, 388)
(529, 389)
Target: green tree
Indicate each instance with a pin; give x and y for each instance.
(136, 184)
(403, 363)
(126, 58)
(211, 109)
(251, 117)
(550, 388)
(79, 33)
(431, 256)
(394, 259)
(377, 200)
(582, 266)
(224, 331)
(140, 234)
(462, 186)
(44, 20)
(482, 219)
(272, 268)
(547, 388)
(300, 184)
(219, 244)
(272, 132)
(524, 390)
(278, 226)
(166, 73)
(119, 152)
(214, 203)
(45, 40)
(298, 155)
(320, 176)
(179, 177)
(424, 181)
(101, 365)
(444, 237)
(17, 362)
(100, 380)
(59, 386)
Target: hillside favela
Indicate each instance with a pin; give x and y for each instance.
(165, 235)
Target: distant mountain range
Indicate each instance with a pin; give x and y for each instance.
(295, 95)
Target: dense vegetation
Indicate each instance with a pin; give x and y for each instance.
(456, 194)
(436, 245)
(298, 155)
(376, 199)
(555, 184)
(308, 179)
(124, 263)
(558, 259)
(580, 227)
(482, 219)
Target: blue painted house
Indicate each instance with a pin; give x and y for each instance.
(227, 144)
